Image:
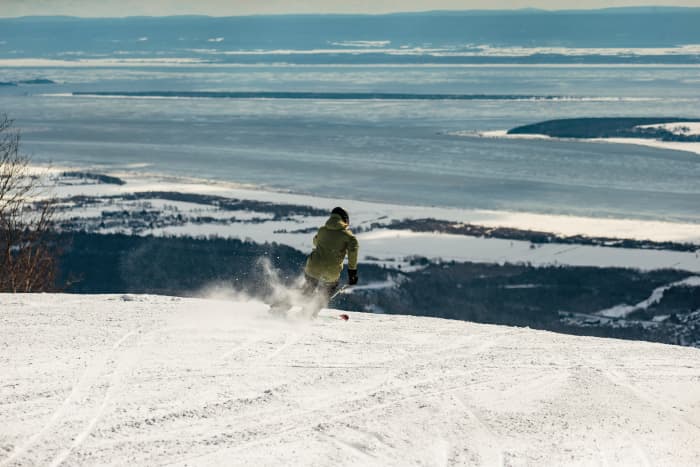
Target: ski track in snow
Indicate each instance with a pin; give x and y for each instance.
(622, 311)
(63, 455)
(372, 389)
(204, 382)
(87, 379)
(619, 380)
(491, 452)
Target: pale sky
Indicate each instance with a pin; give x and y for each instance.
(9, 8)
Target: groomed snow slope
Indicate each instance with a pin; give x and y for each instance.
(148, 380)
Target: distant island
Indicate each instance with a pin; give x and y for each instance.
(658, 128)
(37, 81)
(27, 81)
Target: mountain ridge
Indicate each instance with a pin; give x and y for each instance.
(470, 12)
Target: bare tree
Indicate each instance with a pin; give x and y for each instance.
(28, 260)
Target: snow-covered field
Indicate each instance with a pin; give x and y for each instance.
(692, 129)
(653, 143)
(680, 128)
(395, 247)
(367, 212)
(622, 311)
(151, 380)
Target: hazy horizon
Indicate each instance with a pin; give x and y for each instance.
(218, 8)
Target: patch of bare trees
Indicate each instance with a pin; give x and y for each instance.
(28, 257)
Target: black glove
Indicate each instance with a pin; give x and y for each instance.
(352, 276)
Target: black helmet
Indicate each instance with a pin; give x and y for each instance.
(342, 213)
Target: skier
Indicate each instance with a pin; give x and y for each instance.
(325, 263)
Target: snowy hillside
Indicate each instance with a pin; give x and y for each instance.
(149, 380)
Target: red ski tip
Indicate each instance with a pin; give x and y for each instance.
(344, 317)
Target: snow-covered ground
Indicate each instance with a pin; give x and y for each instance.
(654, 143)
(622, 311)
(461, 248)
(679, 128)
(149, 380)
(693, 127)
(395, 247)
(368, 212)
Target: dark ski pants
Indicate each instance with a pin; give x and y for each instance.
(316, 288)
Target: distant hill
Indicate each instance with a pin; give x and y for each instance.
(473, 12)
(453, 30)
(27, 81)
(607, 128)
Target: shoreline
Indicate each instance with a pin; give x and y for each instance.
(555, 224)
(162, 207)
(693, 148)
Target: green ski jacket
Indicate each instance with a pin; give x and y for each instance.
(332, 242)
